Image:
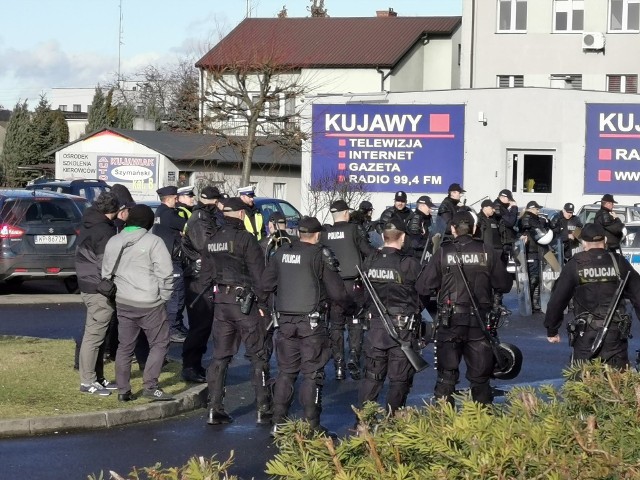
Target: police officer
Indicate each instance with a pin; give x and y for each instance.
(418, 228)
(168, 226)
(364, 217)
(393, 276)
(488, 230)
(459, 334)
(278, 235)
(185, 202)
(607, 218)
(398, 209)
(235, 258)
(350, 245)
(449, 206)
(591, 277)
(533, 228)
(253, 221)
(564, 226)
(304, 276)
(198, 292)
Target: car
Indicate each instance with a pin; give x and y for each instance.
(38, 234)
(630, 245)
(626, 213)
(87, 188)
(268, 206)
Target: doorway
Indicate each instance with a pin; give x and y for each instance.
(530, 171)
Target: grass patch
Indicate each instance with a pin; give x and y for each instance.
(37, 379)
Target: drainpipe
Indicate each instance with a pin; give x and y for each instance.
(472, 42)
(383, 77)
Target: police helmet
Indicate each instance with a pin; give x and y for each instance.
(542, 237)
(508, 361)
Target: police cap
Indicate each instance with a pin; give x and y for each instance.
(309, 225)
(456, 187)
(426, 200)
(170, 190)
(486, 203)
(569, 207)
(395, 223)
(506, 193)
(249, 191)
(365, 206)
(592, 232)
(338, 206)
(210, 193)
(277, 217)
(533, 204)
(401, 196)
(234, 204)
(188, 191)
(607, 197)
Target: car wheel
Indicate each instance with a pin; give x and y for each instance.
(71, 284)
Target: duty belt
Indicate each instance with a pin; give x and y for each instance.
(222, 288)
(596, 321)
(399, 321)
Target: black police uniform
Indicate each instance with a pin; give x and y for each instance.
(390, 212)
(591, 278)
(393, 276)
(350, 245)
(527, 225)
(562, 227)
(613, 227)
(446, 211)
(168, 225)
(235, 258)
(507, 217)
(305, 279)
(201, 224)
(418, 228)
(463, 337)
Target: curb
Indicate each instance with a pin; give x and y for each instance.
(189, 400)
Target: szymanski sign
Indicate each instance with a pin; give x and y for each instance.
(389, 147)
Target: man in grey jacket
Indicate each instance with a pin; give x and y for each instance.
(144, 280)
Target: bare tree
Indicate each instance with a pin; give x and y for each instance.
(328, 187)
(317, 8)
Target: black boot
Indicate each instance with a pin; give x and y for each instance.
(340, 368)
(218, 417)
(217, 380)
(353, 365)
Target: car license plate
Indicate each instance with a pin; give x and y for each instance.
(51, 240)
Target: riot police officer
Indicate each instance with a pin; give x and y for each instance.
(393, 276)
(458, 333)
(591, 277)
(398, 209)
(198, 298)
(418, 229)
(607, 218)
(364, 217)
(533, 228)
(350, 245)
(506, 213)
(278, 235)
(564, 225)
(168, 225)
(449, 206)
(304, 276)
(235, 258)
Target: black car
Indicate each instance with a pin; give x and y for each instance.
(87, 188)
(38, 234)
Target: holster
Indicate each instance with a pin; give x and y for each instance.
(576, 328)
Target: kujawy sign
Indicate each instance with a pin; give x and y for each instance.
(141, 172)
(612, 153)
(415, 148)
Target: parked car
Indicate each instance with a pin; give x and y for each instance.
(269, 205)
(626, 213)
(87, 188)
(38, 234)
(630, 244)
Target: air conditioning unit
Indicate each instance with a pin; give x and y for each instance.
(593, 41)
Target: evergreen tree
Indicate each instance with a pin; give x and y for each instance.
(59, 129)
(184, 106)
(18, 146)
(98, 112)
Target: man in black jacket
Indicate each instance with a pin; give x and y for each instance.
(607, 218)
(97, 228)
(399, 209)
(534, 230)
(418, 229)
(564, 225)
(449, 206)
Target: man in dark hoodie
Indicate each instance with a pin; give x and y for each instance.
(97, 228)
(399, 209)
(448, 208)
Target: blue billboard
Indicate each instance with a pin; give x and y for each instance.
(612, 151)
(415, 148)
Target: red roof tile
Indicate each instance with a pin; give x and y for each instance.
(324, 42)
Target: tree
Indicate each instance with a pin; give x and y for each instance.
(18, 146)
(184, 102)
(328, 187)
(48, 128)
(251, 96)
(97, 117)
(105, 112)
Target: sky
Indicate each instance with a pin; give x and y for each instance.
(75, 43)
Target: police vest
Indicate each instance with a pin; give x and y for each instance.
(248, 225)
(299, 289)
(384, 270)
(230, 266)
(341, 239)
(596, 269)
(184, 212)
(474, 259)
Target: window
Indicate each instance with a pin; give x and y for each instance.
(289, 105)
(77, 108)
(62, 108)
(274, 107)
(622, 83)
(568, 15)
(566, 81)
(279, 190)
(624, 15)
(255, 100)
(512, 15)
(531, 171)
(509, 81)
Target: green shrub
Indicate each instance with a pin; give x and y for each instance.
(590, 429)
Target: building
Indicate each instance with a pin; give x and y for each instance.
(570, 44)
(147, 160)
(5, 116)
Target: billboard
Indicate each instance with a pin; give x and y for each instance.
(612, 151)
(415, 148)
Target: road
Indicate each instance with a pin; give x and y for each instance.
(173, 441)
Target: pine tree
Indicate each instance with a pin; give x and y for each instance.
(59, 129)
(18, 145)
(185, 101)
(97, 113)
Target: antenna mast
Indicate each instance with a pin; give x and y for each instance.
(120, 43)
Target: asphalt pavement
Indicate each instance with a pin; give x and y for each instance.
(172, 441)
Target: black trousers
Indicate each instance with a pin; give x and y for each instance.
(300, 349)
(384, 359)
(337, 322)
(614, 351)
(200, 322)
(467, 341)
